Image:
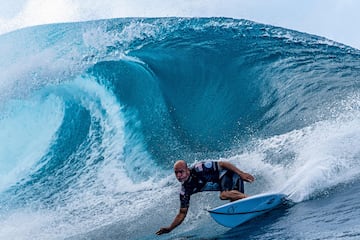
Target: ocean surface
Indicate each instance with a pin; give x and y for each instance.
(94, 114)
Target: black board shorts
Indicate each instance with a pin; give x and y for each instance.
(231, 181)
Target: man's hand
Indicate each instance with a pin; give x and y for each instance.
(163, 230)
(177, 221)
(247, 177)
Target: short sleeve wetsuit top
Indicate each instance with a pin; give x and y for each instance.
(200, 174)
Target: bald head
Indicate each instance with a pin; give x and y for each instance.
(181, 170)
(180, 163)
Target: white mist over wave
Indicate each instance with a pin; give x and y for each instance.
(332, 19)
(36, 12)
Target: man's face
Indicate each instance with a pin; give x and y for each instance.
(182, 172)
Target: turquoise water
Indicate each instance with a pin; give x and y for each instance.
(94, 114)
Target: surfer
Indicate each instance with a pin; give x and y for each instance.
(207, 176)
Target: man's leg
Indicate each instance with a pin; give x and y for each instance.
(232, 195)
(232, 187)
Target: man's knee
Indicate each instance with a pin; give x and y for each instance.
(232, 195)
(224, 195)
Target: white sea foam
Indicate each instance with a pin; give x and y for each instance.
(308, 161)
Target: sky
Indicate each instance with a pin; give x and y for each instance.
(334, 19)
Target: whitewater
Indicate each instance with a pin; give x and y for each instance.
(94, 114)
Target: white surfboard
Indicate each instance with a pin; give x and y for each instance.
(235, 213)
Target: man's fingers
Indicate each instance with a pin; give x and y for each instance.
(162, 230)
(249, 178)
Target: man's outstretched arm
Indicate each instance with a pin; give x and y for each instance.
(177, 221)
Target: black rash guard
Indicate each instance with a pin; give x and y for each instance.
(200, 174)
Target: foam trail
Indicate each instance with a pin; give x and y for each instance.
(308, 162)
(328, 157)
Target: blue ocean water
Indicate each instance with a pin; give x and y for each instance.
(94, 114)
